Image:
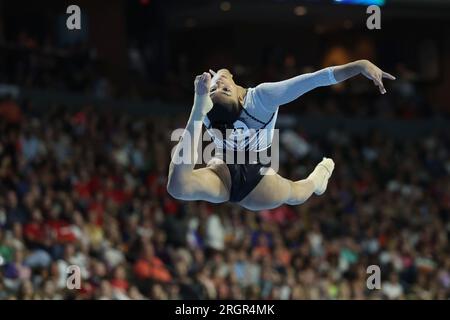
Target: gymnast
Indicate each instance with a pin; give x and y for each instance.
(235, 116)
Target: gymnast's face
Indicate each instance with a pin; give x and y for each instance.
(223, 90)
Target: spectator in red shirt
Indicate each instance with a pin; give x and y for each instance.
(150, 266)
(119, 280)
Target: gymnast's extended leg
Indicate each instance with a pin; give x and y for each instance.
(274, 190)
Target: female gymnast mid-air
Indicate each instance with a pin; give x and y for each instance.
(224, 107)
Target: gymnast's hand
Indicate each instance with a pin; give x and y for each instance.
(372, 72)
(201, 85)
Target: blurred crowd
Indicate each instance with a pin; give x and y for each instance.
(29, 62)
(88, 188)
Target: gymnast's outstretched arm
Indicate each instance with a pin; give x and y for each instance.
(274, 94)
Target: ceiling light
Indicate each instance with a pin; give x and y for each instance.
(300, 11)
(225, 6)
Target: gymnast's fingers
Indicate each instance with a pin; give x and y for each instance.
(388, 76)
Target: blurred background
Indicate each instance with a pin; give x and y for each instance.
(85, 123)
